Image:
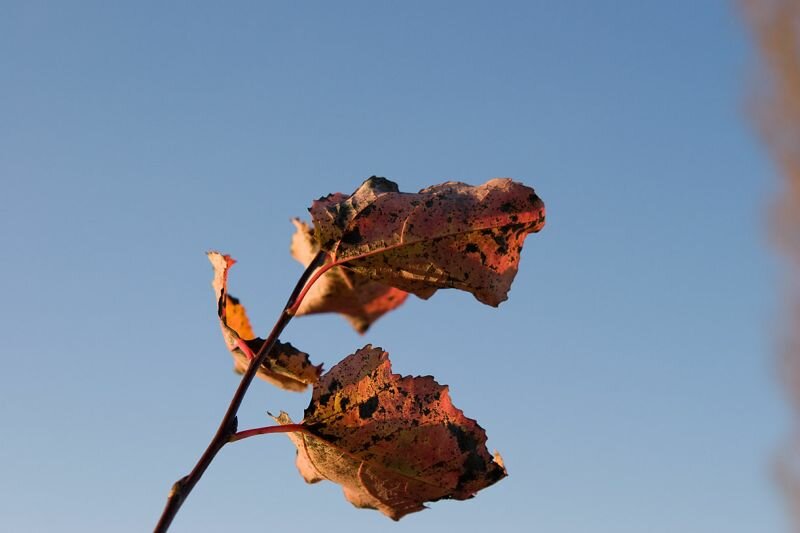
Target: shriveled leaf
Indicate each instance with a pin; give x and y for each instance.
(361, 300)
(285, 366)
(448, 235)
(392, 442)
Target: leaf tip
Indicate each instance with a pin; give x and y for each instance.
(220, 260)
(498, 460)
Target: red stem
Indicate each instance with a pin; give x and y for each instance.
(227, 427)
(285, 428)
(318, 274)
(293, 308)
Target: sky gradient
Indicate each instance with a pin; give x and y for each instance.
(630, 379)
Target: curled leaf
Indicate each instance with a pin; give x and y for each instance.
(449, 235)
(392, 442)
(285, 366)
(361, 300)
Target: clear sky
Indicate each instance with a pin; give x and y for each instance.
(630, 379)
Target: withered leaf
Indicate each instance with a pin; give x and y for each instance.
(361, 300)
(285, 366)
(449, 235)
(392, 442)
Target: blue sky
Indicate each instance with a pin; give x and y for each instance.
(630, 379)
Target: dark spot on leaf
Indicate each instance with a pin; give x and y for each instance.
(343, 403)
(325, 398)
(367, 408)
(473, 466)
(502, 245)
(516, 229)
(507, 207)
(352, 237)
(471, 248)
(466, 442)
(310, 410)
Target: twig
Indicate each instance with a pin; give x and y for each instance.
(227, 427)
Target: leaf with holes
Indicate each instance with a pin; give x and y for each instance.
(285, 366)
(449, 235)
(392, 442)
(361, 300)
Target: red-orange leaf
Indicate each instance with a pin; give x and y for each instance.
(285, 366)
(448, 235)
(361, 300)
(392, 442)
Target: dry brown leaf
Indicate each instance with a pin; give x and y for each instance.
(448, 235)
(285, 366)
(361, 300)
(392, 442)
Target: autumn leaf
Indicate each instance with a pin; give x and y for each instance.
(361, 300)
(392, 442)
(285, 366)
(449, 235)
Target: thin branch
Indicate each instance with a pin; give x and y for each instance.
(227, 427)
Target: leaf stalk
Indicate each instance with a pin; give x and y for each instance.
(285, 428)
